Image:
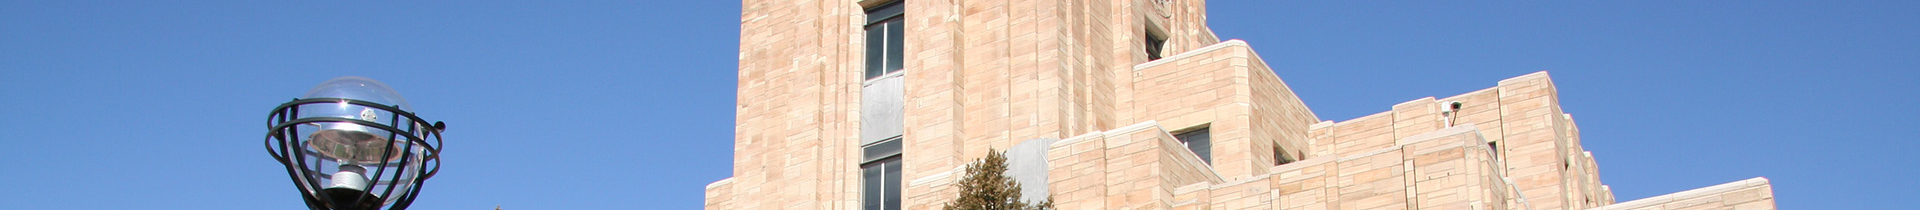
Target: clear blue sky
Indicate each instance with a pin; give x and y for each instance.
(628, 104)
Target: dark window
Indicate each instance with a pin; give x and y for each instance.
(1154, 43)
(885, 31)
(1495, 147)
(880, 176)
(882, 184)
(1280, 157)
(1200, 142)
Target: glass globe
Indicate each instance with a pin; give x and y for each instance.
(359, 161)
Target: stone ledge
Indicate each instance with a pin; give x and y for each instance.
(1189, 188)
(1715, 190)
(728, 180)
(1191, 53)
(1529, 76)
(1297, 165)
(1073, 140)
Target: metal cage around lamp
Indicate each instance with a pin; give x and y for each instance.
(350, 144)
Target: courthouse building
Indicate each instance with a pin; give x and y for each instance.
(1122, 104)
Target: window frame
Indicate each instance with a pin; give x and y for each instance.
(1206, 143)
(1154, 40)
(887, 59)
(883, 156)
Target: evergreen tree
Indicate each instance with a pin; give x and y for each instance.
(987, 187)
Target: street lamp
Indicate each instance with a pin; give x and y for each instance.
(351, 144)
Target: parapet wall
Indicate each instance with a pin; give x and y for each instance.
(1133, 167)
(1750, 194)
(1442, 169)
(1534, 143)
(1229, 90)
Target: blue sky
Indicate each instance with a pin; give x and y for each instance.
(628, 104)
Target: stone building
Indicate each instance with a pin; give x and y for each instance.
(1125, 104)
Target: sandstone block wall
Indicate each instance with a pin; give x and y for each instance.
(1534, 143)
(719, 194)
(978, 75)
(1308, 184)
(1226, 88)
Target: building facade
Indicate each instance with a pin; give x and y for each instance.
(1125, 104)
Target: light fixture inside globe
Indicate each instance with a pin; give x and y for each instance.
(347, 142)
(352, 146)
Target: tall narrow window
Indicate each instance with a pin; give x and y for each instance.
(885, 31)
(882, 108)
(880, 176)
(1200, 142)
(1154, 43)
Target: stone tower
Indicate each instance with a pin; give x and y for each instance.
(1127, 104)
